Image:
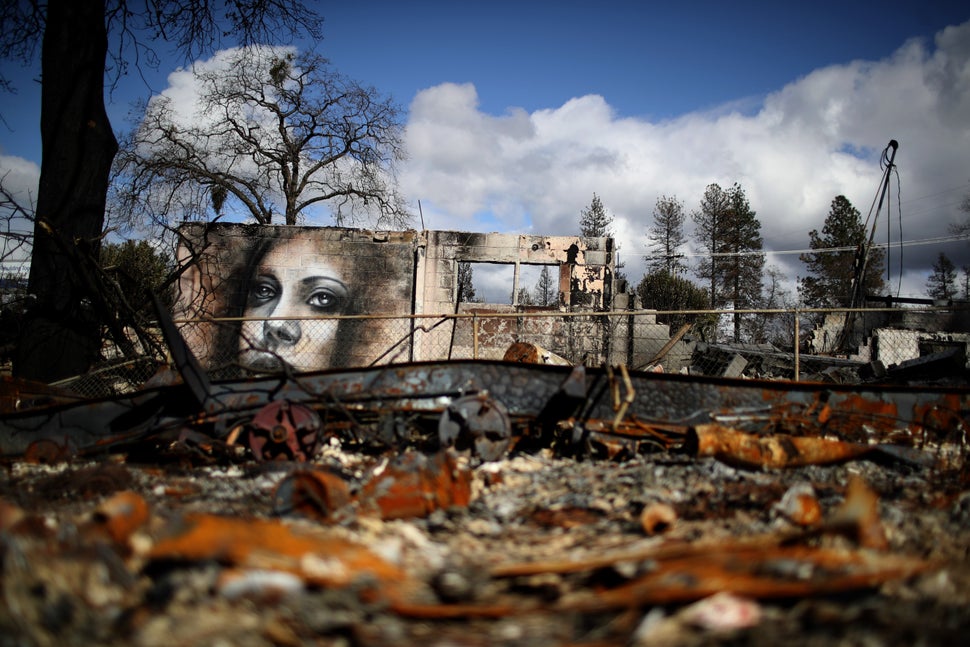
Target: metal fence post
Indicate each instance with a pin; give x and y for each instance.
(474, 336)
(797, 340)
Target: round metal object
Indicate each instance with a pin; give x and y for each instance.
(284, 431)
(476, 421)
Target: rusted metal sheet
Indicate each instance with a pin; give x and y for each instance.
(412, 485)
(415, 485)
(853, 413)
(530, 353)
(317, 558)
(856, 413)
(773, 565)
(779, 572)
(19, 394)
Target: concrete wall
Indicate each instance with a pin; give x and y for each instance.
(246, 271)
(895, 336)
(254, 275)
(584, 266)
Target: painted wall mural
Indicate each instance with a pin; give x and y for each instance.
(259, 298)
(276, 290)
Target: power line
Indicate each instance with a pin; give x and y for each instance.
(835, 250)
(913, 213)
(961, 187)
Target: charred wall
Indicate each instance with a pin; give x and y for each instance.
(274, 287)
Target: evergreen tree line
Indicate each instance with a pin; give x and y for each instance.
(731, 272)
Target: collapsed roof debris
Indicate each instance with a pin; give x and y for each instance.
(482, 502)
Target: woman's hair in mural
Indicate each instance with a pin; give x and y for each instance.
(281, 276)
(235, 288)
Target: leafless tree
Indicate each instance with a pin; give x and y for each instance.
(16, 226)
(274, 134)
(962, 228)
(774, 328)
(82, 42)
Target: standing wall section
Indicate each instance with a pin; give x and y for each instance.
(392, 275)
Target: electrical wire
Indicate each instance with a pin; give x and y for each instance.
(836, 250)
(899, 212)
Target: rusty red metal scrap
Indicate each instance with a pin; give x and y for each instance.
(482, 394)
(772, 565)
(411, 485)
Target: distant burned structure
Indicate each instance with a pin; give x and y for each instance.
(928, 339)
(277, 288)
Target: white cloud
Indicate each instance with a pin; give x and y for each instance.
(184, 90)
(813, 139)
(200, 103)
(19, 178)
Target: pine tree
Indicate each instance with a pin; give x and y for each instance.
(594, 220)
(712, 221)
(666, 236)
(466, 291)
(830, 273)
(545, 290)
(942, 283)
(741, 271)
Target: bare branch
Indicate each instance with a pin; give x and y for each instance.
(21, 26)
(275, 133)
(16, 221)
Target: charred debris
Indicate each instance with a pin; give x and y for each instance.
(482, 502)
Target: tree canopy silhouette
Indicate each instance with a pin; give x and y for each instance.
(62, 333)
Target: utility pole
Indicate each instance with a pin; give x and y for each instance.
(857, 297)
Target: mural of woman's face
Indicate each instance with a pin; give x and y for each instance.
(293, 279)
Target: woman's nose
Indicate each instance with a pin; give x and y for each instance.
(282, 332)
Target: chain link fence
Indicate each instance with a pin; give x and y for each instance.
(796, 344)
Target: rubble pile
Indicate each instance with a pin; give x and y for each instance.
(567, 507)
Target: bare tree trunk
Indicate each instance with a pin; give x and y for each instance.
(62, 336)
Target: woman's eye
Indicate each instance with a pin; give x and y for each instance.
(323, 299)
(264, 292)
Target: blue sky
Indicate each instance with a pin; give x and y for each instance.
(517, 112)
(653, 59)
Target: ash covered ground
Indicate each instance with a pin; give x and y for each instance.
(190, 546)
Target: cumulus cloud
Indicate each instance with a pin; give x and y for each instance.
(19, 178)
(183, 95)
(815, 138)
